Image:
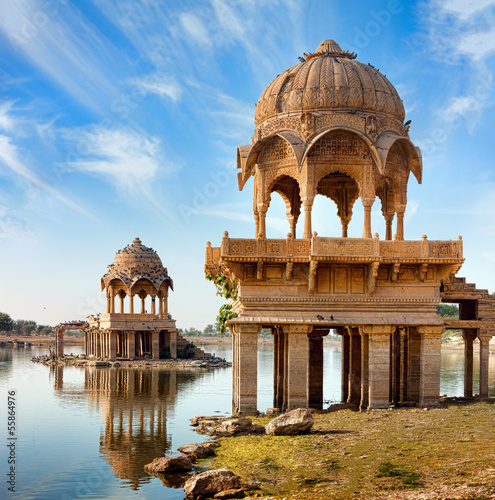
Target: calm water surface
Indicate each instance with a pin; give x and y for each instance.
(87, 433)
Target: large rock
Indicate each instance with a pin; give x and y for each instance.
(298, 421)
(235, 426)
(195, 451)
(169, 464)
(211, 482)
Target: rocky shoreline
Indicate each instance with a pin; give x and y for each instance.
(82, 361)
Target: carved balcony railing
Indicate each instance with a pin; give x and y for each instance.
(318, 248)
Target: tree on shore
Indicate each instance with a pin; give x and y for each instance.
(6, 323)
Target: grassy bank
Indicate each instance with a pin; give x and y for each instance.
(443, 453)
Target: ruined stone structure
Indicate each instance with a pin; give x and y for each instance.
(136, 271)
(333, 126)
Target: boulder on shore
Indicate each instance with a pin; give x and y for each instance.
(298, 421)
(236, 426)
(169, 464)
(195, 451)
(210, 482)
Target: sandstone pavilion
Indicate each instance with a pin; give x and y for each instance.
(333, 126)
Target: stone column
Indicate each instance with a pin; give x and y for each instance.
(389, 218)
(155, 344)
(395, 365)
(414, 357)
(113, 345)
(367, 204)
(292, 225)
(131, 304)
(297, 366)
(278, 367)
(86, 340)
(165, 305)
(345, 364)
(173, 343)
(429, 370)
(365, 388)
(379, 365)
(400, 209)
(468, 335)
(153, 306)
(315, 385)
(131, 344)
(143, 305)
(308, 205)
(404, 364)
(262, 209)
(484, 338)
(354, 367)
(160, 305)
(247, 368)
(121, 297)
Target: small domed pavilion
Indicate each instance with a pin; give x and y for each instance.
(136, 270)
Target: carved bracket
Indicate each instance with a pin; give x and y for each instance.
(259, 270)
(288, 270)
(394, 272)
(313, 266)
(423, 268)
(372, 274)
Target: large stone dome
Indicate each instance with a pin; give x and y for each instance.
(330, 79)
(136, 262)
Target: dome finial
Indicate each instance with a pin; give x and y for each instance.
(136, 241)
(330, 48)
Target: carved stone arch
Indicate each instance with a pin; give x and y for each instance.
(248, 156)
(352, 130)
(288, 188)
(412, 154)
(343, 190)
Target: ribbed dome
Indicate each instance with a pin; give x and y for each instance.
(329, 80)
(134, 262)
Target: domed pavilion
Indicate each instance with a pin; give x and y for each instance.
(333, 126)
(134, 332)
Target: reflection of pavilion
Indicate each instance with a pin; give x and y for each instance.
(134, 404)
(136, 270)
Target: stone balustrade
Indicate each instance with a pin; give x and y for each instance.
(365, 249)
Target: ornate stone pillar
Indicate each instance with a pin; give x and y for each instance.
(308, 205)
(345, 224)
(246, 370)
(389, 219)
(400, 209)
(379, 365)
(165, 304)
(262, 209)
(143, 305)
(468, 335)
(160, 305)
(297, 366)
(367, 204)
(153, 307)
(484, 338)
(292, 224)
(131, 304)
(429, 369)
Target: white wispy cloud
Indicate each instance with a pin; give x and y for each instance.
(477, 44)
(129, 159)
(6, 120)
(10, 157)
(57, 40)
(466, 8)
(195, 28)
(14, 227)
(162, 85)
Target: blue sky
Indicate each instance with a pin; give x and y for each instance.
(121, 118)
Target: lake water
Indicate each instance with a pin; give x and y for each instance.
(87, 432)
